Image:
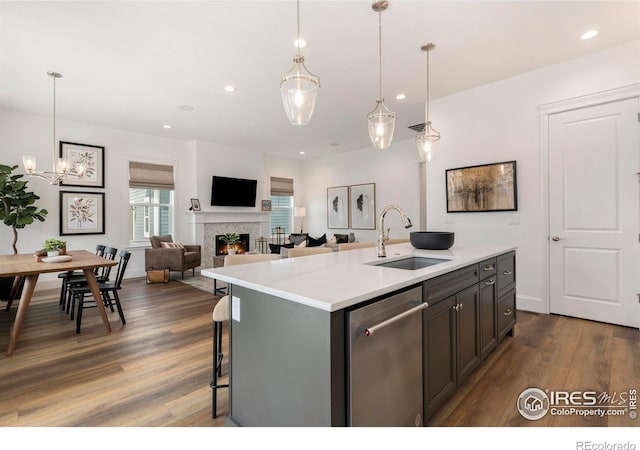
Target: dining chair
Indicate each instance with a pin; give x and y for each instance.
(221, 315)
(67, 276)
(107, 289)
(102, 276)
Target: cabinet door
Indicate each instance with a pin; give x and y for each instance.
(467, 322)
(506, 313)
(506, 271)
(439, 354)
(488, 328)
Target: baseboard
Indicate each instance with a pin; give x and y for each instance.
(531, 304)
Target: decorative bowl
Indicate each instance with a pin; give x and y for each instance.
(432, 240)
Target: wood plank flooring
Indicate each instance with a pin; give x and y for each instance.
(155, 370)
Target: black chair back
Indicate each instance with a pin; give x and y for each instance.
(122, 266)
(104, 273)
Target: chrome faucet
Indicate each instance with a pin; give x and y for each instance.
(384, 237)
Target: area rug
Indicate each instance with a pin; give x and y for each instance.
(200, 282)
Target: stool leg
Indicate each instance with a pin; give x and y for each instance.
(214, 382)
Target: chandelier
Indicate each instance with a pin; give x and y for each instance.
(381, 121)
(429, 134)
(62, 168)
(299, 87)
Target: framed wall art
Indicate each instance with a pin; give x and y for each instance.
(91, 157)
(488, 187)
(338, 207)
(266, 205)
(195, 204)
(81, 213)
(362, 206)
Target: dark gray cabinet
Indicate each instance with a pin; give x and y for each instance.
(506, 293)
(469, 311)
(488, 305)
(451, 334)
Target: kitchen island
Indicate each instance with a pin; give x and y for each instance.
(291, 340)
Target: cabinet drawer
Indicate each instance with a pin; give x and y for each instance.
(506, 312)
(506, 267)
(449, 284)
(487, 268)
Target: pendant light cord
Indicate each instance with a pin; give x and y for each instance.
(380, 51)
(54, 123)
(426, 107)
(298, 22)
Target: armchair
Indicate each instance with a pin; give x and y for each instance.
(166, 254)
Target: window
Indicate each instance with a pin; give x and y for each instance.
(151, 213)
(282, 212)
(150, 201)
(282, 204)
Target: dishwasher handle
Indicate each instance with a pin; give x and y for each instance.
(371, 330)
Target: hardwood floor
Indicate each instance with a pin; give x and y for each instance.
(155, 371)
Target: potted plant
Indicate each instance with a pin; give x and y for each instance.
(55, 247)
(17, 210)
(230, 239)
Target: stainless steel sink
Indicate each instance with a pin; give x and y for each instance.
(411, 263)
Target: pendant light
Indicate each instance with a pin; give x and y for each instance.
(62, 168)
(299, 87)
(428, 135)
(381, 121)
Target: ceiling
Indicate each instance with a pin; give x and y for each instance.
(132, 65)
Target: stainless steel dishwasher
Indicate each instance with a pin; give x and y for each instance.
(385, 361)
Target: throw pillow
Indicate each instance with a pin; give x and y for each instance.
(275, 248)
(302, 244)
(352, 237)
(341, 238)
(171, 245)
(297, 238)
(312, 242)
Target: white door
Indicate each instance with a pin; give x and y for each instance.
(594, 157)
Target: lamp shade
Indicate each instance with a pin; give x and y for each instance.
(381, 123)
(299, 89)
(300, 211)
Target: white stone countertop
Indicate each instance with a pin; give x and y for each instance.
(337, 280)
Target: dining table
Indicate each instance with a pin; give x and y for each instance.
(29, 268)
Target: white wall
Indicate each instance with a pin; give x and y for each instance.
(492, 123)
(22, 133)
(395, 172)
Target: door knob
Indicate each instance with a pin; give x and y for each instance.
(557, 238)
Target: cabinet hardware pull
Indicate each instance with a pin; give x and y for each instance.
(461, 305)
(371, 330)
(487, 268)
(506, 272)
(490, 282)
(507, 312)
(456, 307)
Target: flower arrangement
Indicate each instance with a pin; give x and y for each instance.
(230, 238)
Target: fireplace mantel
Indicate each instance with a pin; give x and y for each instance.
(201, 217)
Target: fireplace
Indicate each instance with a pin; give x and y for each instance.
(241, 247)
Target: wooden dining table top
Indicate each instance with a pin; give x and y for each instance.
(26, 263)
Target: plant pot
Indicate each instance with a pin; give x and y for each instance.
(53, 253)
(231, 251)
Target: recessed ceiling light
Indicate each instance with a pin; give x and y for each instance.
(166, 125)
(300, 43)
(401, 97)
(186, 108)
(229, 88)
(302, 153)
(589, 34)
(335, 144)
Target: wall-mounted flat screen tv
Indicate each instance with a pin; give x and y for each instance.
(227, 191)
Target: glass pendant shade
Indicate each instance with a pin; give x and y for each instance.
(381, 123)
(299, 89)
(425, 142)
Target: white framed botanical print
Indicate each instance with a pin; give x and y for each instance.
(81, 213)
(90, 157)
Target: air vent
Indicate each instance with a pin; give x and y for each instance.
(419, 127)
